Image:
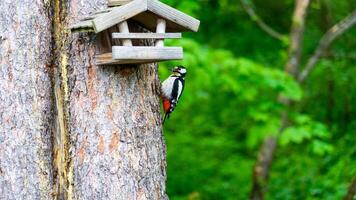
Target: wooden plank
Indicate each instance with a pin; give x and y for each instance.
(104, 19)
(119, 14)
(86, 26)
(103, 11)
(112, 3)
(149, 20)
(146, 35)
(106, 59)
(147, 53)
(124, 28)
(86, 23)
(161, 28)
(173, 15)
(103, 42)
(97, 14)
(103, 59)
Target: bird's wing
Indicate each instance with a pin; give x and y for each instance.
(167, 87)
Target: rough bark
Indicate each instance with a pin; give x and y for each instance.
(25, 100)
(70, 129)
(118, 151)
(62, 163)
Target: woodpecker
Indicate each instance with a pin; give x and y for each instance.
(172, 89)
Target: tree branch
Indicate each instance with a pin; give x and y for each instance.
(250, 11)
(351, 194)
(335, 31)
(264, 160)
(268, 149)
(296, 37)
(350, 56)
(261, 170)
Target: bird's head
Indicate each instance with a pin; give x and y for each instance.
(179, 71)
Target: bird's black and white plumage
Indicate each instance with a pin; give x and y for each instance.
(172, 89)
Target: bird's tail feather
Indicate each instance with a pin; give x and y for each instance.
(166, 116)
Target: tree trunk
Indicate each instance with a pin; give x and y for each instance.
(296, 37)
(264, 161)
(261, 170)
(26, 105)
(114, 125)
(265, 158)
(71, 129)
(269, 146)
(115, 129)
(351, 194)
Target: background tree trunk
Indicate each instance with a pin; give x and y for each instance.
(268, 148)
(26, 117)
(71, 129)
(351, 194)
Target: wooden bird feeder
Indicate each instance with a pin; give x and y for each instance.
(163, 22)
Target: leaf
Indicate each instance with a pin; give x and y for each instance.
(295, 135)
(292, 90)
(321, 148)
(258, 132)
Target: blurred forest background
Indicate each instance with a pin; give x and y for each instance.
(236, 74)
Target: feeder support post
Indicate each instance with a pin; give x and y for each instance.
(124, 28)
(161, 28)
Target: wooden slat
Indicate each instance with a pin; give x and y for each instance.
(149, 20)
(106, 59)
(146, 35)
(176, 20)
(95, 15)
(118, 2)
(103, 11)
(147, 53)
(173, 15)
(86, 25)
(119, 14)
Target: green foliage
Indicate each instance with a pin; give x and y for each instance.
(235, 76)
(305, 129)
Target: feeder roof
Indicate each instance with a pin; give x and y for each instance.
(145, 12)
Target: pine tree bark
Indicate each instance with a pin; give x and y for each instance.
(114, 131)
(26, 105)
(70, 129)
